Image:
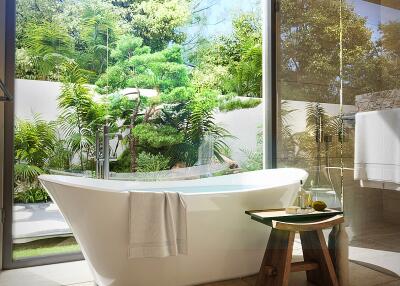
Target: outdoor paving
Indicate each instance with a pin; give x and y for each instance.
(38, 220)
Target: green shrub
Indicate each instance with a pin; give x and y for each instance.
(148, 162)
(123, 163)
(33, 195)
(237, 103)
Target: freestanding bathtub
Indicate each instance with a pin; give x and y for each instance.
(223, 242)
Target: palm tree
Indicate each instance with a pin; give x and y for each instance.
(34, 144)
(49, 45)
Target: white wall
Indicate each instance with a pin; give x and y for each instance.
(41, 97)
(33, 96)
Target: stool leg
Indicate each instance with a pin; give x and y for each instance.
(275, 267)
(315, 250)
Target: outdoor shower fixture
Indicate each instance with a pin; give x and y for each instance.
(103, 151)
(349, 119)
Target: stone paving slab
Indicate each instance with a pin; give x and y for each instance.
(38, 220)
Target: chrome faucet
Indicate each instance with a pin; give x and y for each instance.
(103, 156)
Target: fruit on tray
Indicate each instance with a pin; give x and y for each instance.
(319, 205)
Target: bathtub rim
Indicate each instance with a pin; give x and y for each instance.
(300, 174)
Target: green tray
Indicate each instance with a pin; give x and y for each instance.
(268, 215)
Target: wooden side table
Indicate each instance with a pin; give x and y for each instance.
(276, 265)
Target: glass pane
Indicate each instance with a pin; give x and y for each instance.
(373, 82)
(309, 94)
(131, 90)
(312, 34)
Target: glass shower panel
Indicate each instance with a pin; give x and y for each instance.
(372, 82)
(337, 59)
(308, 86)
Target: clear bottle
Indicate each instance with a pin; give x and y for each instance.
(302, 197)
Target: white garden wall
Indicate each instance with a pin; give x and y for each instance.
(41, 97)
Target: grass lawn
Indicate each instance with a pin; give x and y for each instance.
(48, 246)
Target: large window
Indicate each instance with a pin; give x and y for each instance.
(176, 85)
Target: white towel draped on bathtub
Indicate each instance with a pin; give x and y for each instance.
(377, 149)
(157, 224)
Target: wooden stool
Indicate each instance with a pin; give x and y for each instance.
(276, 265)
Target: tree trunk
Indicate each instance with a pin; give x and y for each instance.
(133, 150)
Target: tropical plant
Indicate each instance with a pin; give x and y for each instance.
(254, 158)
(201, 124)
(98, 28)
(49, 46)
(80, 114)
(34, 144)
(34, 141)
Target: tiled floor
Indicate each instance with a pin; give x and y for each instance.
(77, 274)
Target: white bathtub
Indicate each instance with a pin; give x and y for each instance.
(223, 242)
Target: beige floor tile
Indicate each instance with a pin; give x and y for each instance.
(393, 283)
(362, 276)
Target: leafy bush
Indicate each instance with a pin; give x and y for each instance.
(34, 145)
(237, 103)
(254, 160)
(33, 195)
(157, 136)
(152, 163)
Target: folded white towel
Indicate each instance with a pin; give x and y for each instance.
(157, 224)
(377, 149)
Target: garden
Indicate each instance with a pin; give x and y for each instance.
(98, 49)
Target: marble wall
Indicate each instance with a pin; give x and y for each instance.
(378, 100)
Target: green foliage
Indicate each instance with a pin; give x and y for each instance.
(34, 141)
(255, 160)
(162, 70)
(48, 46)
(123, 163)
(152, 163)
(158, 22)
(25, 65)
(310, 44)
(61, 158)
(157, 136)
(391, 37)
(34, 145)
(128, 46)
(25, 173)
(177, 95)
(202, 124)
(232, 63)
(34, 195)
(99, 26)
(80, 114)
(229, 104)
